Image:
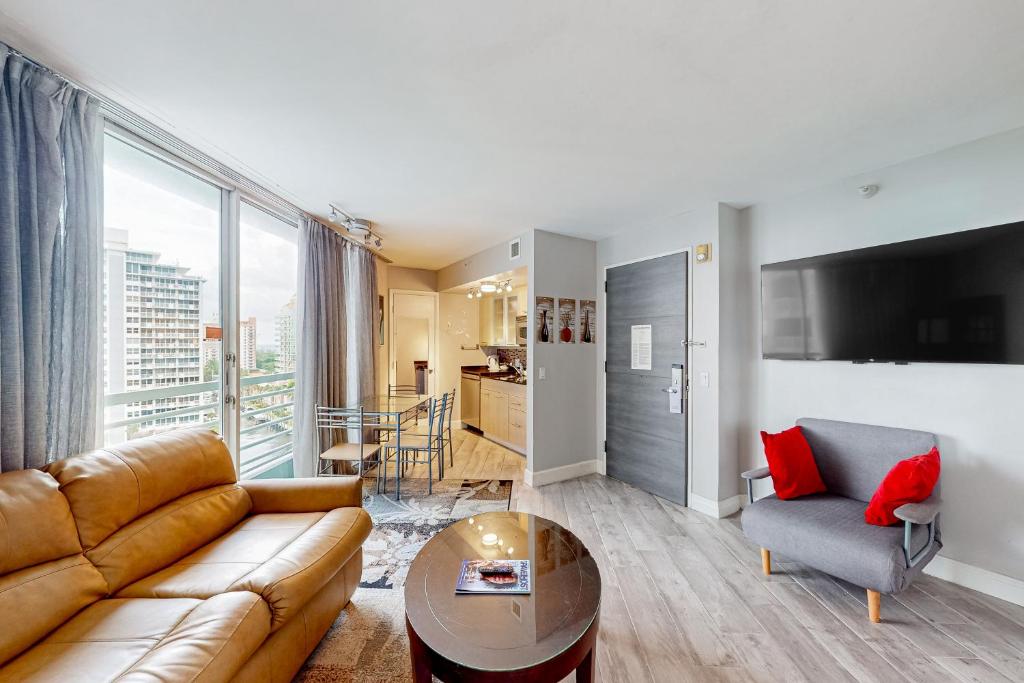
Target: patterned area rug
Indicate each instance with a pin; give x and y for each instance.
(368, 641)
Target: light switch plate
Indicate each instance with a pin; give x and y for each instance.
(705, 379)
(542, 373)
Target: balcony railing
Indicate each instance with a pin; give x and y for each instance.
(267, 412)
(268, 408)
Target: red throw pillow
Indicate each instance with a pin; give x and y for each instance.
(791, 464)
(909, 481)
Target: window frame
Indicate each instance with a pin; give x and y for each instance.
(231, 196)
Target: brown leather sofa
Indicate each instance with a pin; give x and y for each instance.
(150, 562)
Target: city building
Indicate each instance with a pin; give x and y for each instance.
(284, 337)
(247, 344)
(153, 343)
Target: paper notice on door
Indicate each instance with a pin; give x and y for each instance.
(640, 338)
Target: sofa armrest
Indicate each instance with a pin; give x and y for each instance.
(750, 476)
(919, 513)
(756, 473)
(304, 494)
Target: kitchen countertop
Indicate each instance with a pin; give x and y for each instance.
(483, 372)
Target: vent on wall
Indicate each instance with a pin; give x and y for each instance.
(513, 249)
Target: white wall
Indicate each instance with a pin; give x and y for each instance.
(459, 326)
(673, 234)
(975, 409)
(485, 264)
(381, 356)
(561, 427)
(416, 279)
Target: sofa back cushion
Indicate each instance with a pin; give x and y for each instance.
(112, 487)
(44, 579)
(169, 533)
(853, 458)
(149, 502)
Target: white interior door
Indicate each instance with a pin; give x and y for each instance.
(413, 352)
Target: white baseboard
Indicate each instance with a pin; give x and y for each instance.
(550, 476)
(715, 508)
(982, 580)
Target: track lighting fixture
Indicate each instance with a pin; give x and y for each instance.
(357, 227)
(508, 285)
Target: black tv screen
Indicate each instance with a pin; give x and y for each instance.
(956, 298)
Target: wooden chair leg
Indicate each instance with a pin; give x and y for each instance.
(766, 561)
(874, 606)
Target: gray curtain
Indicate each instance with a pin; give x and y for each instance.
(336, 304)
(50, 193)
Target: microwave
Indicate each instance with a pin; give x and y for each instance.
(522, 330)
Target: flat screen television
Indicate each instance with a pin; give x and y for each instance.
(956, 298)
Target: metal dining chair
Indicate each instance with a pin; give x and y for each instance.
(405, 390)
(413, 445)
(446, 430)
(330, 419)
(402, 390)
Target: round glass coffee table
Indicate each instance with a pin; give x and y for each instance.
(542, 636)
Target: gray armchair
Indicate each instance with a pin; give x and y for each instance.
(827, 531)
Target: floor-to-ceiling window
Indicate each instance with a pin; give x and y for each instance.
(268, 258)
(161, 295)
(173, 354)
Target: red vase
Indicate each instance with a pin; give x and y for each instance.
(565, 333)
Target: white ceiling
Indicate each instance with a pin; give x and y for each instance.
(454, 125)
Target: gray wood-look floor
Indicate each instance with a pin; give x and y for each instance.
(684, 598)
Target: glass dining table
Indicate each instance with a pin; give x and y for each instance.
(384, 412)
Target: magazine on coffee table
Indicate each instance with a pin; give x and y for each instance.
(494, 576)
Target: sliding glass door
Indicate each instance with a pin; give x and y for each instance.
(199, 309)
(268, 259)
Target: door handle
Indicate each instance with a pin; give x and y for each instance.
(671, 390)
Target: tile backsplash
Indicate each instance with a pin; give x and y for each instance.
(507, 355)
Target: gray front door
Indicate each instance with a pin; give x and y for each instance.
(646, 438)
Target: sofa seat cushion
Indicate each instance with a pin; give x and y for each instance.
(286, 558)
(149, 640)
(828, 532)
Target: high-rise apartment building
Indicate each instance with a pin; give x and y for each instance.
(247, 344)
(153, 339)
(284, 337)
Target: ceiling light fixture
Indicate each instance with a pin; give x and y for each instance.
(469, 294)
(508, 286)
(479, 294)
(489, 286)
(357, 227)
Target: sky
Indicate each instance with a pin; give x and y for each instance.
(171, 212)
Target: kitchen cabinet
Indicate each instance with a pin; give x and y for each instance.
(498, 318)
(503, 413)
